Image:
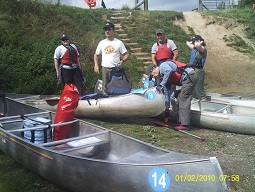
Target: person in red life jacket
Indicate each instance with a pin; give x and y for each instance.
(197, 62)
(67, 65)
(111, 50)
(164, 49)
(177, 73)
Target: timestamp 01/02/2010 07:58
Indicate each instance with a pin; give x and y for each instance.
(206, 178)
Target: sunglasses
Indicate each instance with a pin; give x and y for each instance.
(65, 39)
(107, 29)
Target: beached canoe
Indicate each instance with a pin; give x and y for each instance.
(224, 114)
(97, 159)
(138, 103)
(221, 116)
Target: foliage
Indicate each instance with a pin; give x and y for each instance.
(245, 16)
(246, 3)
(30, 31)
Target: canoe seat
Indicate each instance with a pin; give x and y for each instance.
(77, 140)
(136, 157)
(209, 110)
(80, 144)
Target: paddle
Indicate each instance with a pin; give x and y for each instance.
(185, 132)
(52, 101)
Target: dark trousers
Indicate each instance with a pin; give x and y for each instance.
(73, 76)
(184, 98)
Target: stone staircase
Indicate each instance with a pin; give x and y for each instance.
(117, 18)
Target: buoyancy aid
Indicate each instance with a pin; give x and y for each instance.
(70, 56)
(197, 60)
(175, 77)
(163, 53)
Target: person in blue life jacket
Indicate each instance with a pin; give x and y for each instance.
(172, 75)
(197, 62)
(67, 64)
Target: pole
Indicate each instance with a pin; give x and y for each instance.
(146, 5)
(200, 5)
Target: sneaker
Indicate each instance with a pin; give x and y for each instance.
(182, 127)
(104, 94)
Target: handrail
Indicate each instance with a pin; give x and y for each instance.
(44, 126)
(18, 116)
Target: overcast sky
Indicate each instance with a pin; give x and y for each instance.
(174, 5)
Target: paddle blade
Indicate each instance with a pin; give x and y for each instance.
(52, 101)
(160, 123)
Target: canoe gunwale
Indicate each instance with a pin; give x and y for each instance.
(95, 171)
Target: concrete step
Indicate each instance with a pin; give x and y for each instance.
(118, 18)
(117, 13)
(144, 58)
(122, 35)
(139, 54)
(147, 63)
(131, 44)
(136, 49)
(117, 25)
(125, 40)
(119, 30)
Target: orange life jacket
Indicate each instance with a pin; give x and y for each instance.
(70, 56)
(163, 53)
(175, 77)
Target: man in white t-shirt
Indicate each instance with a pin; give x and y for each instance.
(111, 50)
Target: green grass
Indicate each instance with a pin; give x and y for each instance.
(29, 34)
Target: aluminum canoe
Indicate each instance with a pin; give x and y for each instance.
(223, 113)
(97, 159)
(230, 117)
(138, 103)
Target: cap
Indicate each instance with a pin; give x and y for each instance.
(149, 70)
(64, 37)
(197, 37)
(160, 31)
(109, 25)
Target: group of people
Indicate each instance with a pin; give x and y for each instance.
(167, 71)
(67, 65)
(172, 74)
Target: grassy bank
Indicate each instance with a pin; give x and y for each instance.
(30, 32)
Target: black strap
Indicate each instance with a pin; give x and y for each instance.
(72, 53)
(188, 76)
(32, 136)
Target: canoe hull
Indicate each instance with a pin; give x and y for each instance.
(121, 164)
(221, 116)
(238, 116)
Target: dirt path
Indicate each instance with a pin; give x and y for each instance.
(227, 70)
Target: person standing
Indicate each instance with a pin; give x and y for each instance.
(197, 62)
(67, 65)
(164, 49)
(177, 73)
(111, 50)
